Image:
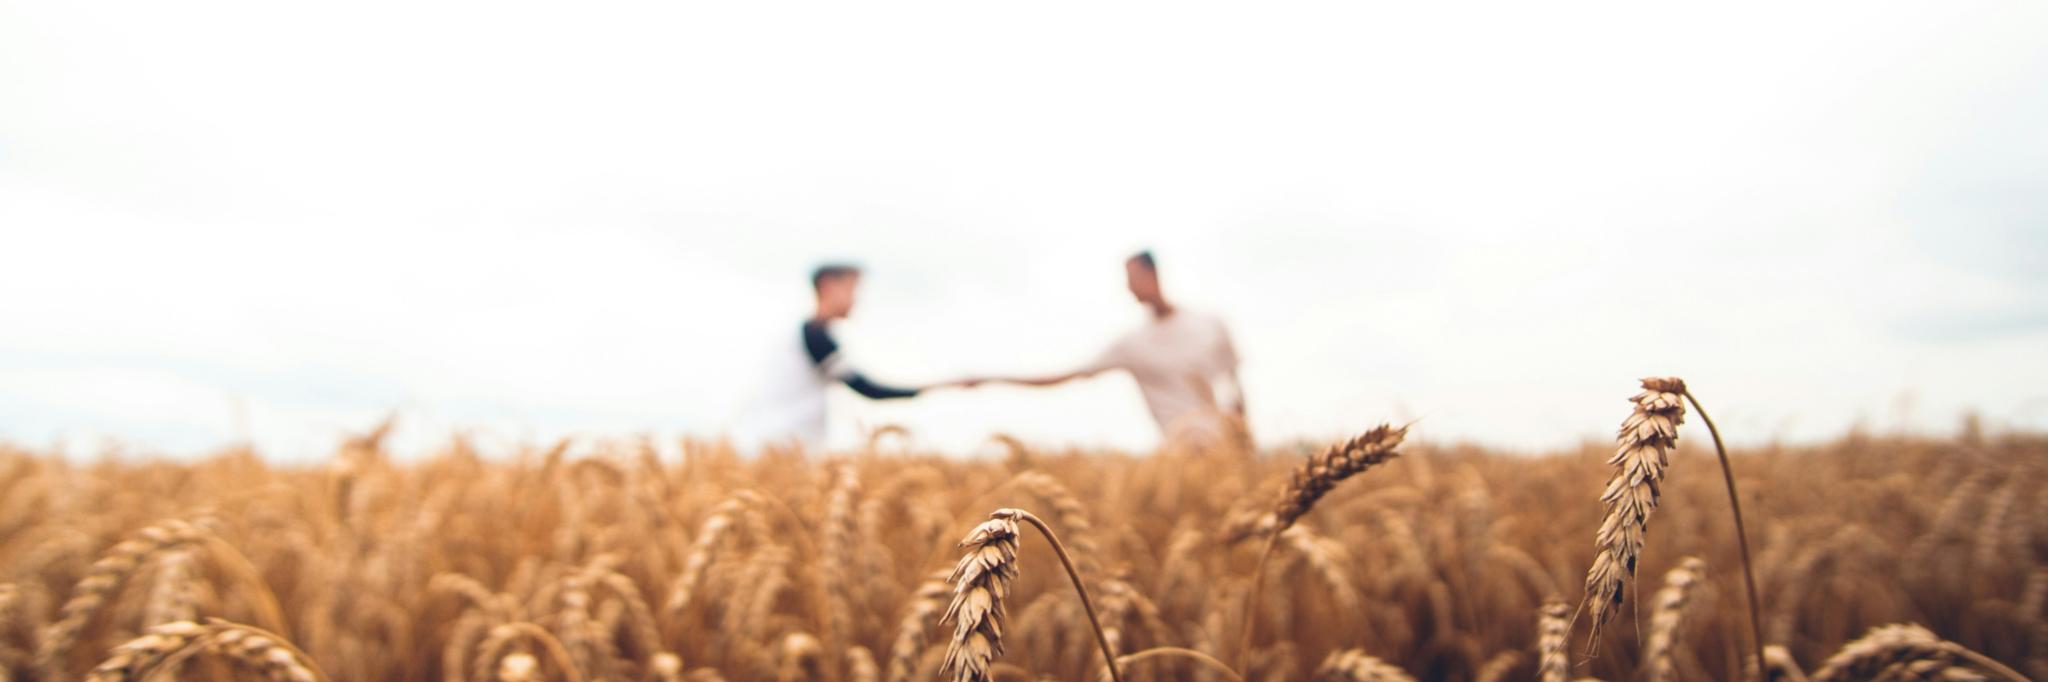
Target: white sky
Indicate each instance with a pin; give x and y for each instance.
(286, 219)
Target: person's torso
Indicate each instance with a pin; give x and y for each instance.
(1173, 361)
(794, 388)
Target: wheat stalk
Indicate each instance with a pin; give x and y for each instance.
(1330, 561)
(909, 644)
(1756, 623)
(1671, 603)
(1316, 477)
(703, 549)
(100, 584)
(639, 616)
(1901, 647)
(840, 539)
(982, 584)
(1070, 513)
(590, 648)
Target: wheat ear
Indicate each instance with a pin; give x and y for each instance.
(982, 583)
(165, 647)
(841, 538)
(860, 665)
(264, 652)
(665, 667)
(499, 644)
(136, 657)
(908, 646)
(519, 667)
(172, 595)
(1315, 478)
(1353, 665)
(703, 549)
(1671, 602)
(1900, 646)
(1647, 438)
(800, 658)
(1779, 666)
(1496, 669)
(1552, 664)
(99, 584)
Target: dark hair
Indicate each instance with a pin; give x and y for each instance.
(1145, 258)
(831, 271)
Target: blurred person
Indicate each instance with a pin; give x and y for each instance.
(793, 405)
(1183, 361)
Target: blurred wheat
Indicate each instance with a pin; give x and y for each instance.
(597, 561)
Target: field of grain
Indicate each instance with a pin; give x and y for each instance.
(598, 561)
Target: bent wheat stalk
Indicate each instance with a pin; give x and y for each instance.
(1756, 624)
(1895, 645)
(1214, 665)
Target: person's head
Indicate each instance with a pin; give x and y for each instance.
(834, 284)
(1142, 274)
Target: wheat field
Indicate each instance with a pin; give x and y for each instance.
(596, 560)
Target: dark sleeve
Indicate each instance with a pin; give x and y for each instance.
(819, 345)
(861, 385)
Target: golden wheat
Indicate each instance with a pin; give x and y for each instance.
(1354, 665)
(1552, 662)
(981, 586)
(464, 565)
(1647, 438)
(1672, 600)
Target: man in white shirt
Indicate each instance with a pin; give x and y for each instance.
(793, 403)
(1183, 361)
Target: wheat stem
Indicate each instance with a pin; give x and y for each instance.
(1756, 629)
(1087, 605)
(1251, 603)
(1217, 666)
(1985, 662)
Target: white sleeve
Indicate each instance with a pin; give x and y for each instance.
(1116, 356)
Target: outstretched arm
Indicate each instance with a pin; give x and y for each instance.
(860, 384)
(1047, 380)
(1110, 359)
(825, 355)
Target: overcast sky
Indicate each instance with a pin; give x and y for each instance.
(282, 220)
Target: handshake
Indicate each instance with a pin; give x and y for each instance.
(963, 382)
